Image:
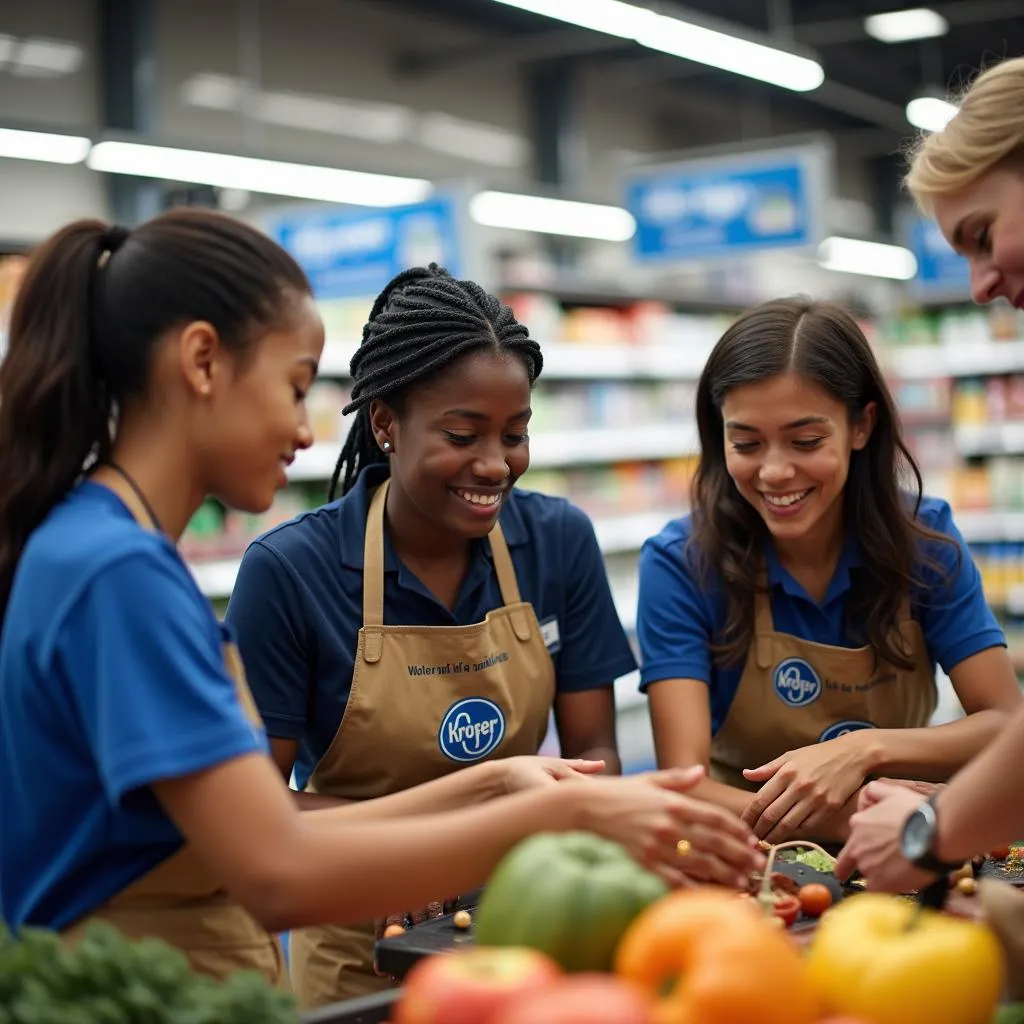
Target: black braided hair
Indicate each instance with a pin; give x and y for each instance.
(422, 321)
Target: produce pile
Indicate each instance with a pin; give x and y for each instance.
(107, 979)
(570, 930)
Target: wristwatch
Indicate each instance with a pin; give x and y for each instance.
(918, 840)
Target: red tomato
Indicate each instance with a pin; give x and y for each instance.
(580, 999)
(815, 899)
(1000, 853)
(471, 985)
(787, 906)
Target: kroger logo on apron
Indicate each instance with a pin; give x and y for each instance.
(833, 732)
(796, 683)
(471, 729)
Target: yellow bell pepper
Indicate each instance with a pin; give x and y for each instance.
(871, 959)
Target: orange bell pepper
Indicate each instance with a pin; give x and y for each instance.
(726, 962)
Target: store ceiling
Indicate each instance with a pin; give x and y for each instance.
(868, 83)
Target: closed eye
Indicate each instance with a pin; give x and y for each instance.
(460, 439)
(809, 442)
(744, 447)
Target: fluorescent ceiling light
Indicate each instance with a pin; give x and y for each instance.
(683, 39)
(875, 259)
(930, 114)
(273, 177)
(901, 26)
(552, 216)
(44, 146)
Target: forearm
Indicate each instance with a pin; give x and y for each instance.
(453, 852)
(980, 808)
(936, 752)
(464, 788)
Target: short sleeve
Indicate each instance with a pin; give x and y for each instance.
(142, 652)
(595, 649)
(951, 607)
(673, 624)
(264, 616)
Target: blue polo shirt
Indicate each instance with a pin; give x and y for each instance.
(678, 617)
(112, 679)
(297, 606)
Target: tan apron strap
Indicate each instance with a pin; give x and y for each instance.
(764, 626)
(373, 577)
(508, 584)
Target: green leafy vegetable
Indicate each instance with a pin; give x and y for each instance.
(108, 979)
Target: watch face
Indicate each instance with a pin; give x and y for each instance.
(917, 835)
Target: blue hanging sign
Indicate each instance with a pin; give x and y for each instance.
(942, 273)
(349, 252)
(723, 206)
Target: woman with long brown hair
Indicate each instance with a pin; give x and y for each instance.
(791, 625)
(147, 369)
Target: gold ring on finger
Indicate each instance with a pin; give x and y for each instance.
(683, 848)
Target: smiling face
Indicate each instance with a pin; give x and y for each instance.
(985, 222)
(787, 448)
(458, 444)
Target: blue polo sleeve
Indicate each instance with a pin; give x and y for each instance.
(265, 616)
(595, 649)
(950, 604)
(142, 653)
(674, 626)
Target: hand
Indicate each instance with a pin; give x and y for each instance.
(526, 772)
(874, 844)
(804, 788)
(648, 815)
(923, 789)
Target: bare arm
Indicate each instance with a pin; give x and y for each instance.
(981, 809)
(987, 686)
(681, 723)
(586, 726)
(283, 752)
(292, 869)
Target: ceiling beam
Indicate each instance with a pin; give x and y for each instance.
(506, 51)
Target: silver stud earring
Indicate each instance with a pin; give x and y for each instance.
(386, 446)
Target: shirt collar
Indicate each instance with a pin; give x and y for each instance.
(849, 558)
(352, 510)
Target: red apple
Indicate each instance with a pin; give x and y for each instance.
(580, 999)
(469, 986)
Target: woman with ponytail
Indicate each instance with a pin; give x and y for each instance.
(434, 616)
(145, 371)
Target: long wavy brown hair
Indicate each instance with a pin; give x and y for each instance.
(822, 343)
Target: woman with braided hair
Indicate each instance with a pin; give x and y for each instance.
(145, 370)
(434, 616)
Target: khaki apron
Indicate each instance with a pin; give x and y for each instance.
(794, 693)
(179, 901)
(425, 701)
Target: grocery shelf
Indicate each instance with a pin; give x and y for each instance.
(990, 438)
(586, 446)
(979, 527)
(574, 292)
(564, 361)
(615, 535)
(918, 362)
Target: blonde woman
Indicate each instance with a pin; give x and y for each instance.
(970, 177)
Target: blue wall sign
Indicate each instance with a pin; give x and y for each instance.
(726, 206)
(942, 273)
(354, 253)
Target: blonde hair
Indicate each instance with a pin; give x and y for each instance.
(987, 129)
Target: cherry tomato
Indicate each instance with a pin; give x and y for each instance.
(787, 907)
(1000, 853)
(815, 899)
